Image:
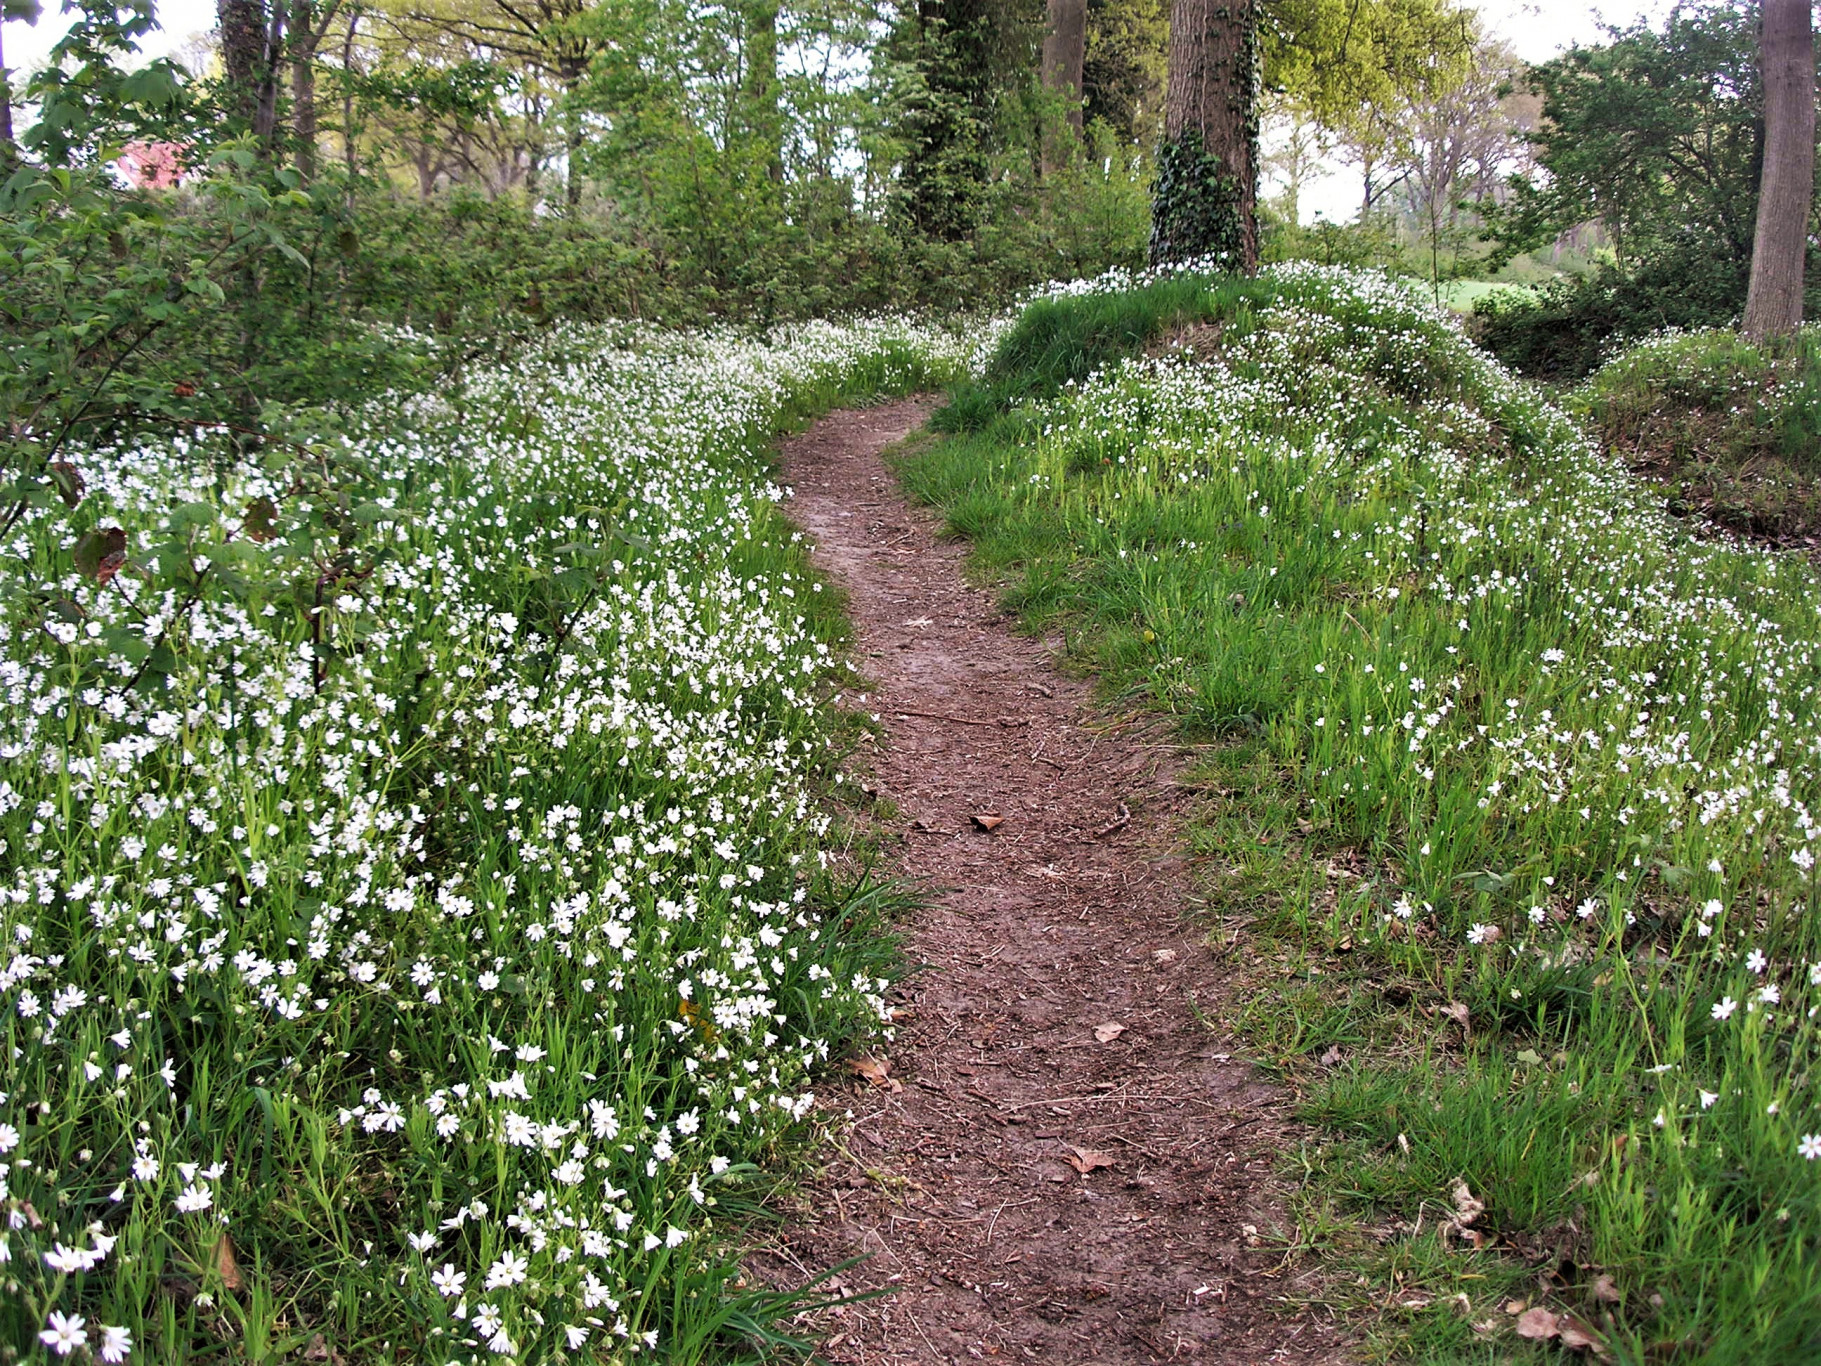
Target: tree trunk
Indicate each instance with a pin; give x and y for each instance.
(349, 148)
(9, 149)
(764, 120)
(1773, 302)
(1065, 47)
(252, 52)
(304, 38)
(243, 38)
(271, 61)
(1206, 198)
(944, 173)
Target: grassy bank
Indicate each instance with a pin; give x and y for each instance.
(1510, 790)
(419, 932)
(1730, 428)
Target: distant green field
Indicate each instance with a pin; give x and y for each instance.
(1461, 295)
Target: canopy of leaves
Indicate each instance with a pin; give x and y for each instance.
(1655, 135)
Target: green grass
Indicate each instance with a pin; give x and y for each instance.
(1732, 426)
(1060, 341)
(1510, 789)
(1461, 295)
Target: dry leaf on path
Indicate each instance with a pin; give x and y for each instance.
(1466, 1208)
(1085, 1160)
(1163, 955)
(1332, 1057)
(1578, 1335)
(1109, 1031)
(1458, 1012)
(875, 1070)
(988, 821)
(1606, 1290)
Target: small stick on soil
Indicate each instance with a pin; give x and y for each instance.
(939, 716)
(1119, 822)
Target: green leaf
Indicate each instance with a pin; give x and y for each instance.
(100, 553)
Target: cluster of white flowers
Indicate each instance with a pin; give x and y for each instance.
(435, 928)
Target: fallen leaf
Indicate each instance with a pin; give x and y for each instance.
(1163, 955)
(1606, 1290)
(1530, 1058)
(875, 1070)
(1109, 1031)
(988, 821)
(1467, 1209)
(1085, 1160)
(1578, 1335)
(1458, 1012)
(1516, 1306)
(1538, 1324)
(1332, 1057)
(226, 1264)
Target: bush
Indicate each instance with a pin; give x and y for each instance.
(1563, 329)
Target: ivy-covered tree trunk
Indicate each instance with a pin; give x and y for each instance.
(1065, 44)
(9, 149)
(1786, 186)
(304, 37)
(764, 116)
(252, 52)
(945, 122)
(1206, 196)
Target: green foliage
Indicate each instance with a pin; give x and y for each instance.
(1513, 749)
(1564, 328)
(1653, 134)
(1197, 205)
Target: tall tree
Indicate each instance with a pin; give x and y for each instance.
(1206, 197)
(1786, 184)
(9, 149)
(309, 25)
(1065, 46)
(760, 90)
(946, 115)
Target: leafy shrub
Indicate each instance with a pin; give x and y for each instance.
(1564, 329)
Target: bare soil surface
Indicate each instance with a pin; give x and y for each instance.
(1057, 1160)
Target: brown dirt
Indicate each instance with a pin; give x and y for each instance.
(960, 1177)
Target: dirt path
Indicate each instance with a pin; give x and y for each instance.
(1064, 1165)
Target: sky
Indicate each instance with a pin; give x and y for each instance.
(1536, 29)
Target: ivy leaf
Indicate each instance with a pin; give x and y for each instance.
(100, 553)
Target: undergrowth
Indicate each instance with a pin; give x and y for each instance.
(1732, 427)
(1510, 803)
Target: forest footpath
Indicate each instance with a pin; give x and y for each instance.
(1056, 1159)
